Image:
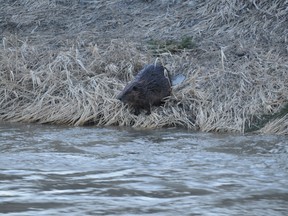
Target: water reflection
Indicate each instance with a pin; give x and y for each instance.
(54, 170)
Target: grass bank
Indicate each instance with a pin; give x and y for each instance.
(67, 68)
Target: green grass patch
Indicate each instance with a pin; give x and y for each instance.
(172, 46)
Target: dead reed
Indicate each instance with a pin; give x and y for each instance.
(237, 72)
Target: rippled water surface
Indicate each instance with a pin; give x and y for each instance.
(50, 170)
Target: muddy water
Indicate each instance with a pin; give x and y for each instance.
(49, 170)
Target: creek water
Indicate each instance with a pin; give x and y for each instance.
(54, 170)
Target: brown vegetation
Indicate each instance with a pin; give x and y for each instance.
(64, 62)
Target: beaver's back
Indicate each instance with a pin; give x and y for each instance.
(157, 84)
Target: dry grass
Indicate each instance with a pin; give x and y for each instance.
(277, 126)
(237, 72)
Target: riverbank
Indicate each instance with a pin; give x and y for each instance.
(64, 62)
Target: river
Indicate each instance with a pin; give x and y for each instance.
(61, 170)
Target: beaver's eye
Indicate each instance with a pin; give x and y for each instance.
(135, 88)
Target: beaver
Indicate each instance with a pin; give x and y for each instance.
(148, 89)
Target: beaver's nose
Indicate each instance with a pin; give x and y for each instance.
(119, 97)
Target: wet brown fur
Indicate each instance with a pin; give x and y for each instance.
(148, 89)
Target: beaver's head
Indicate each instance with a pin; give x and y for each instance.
(133, 93)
